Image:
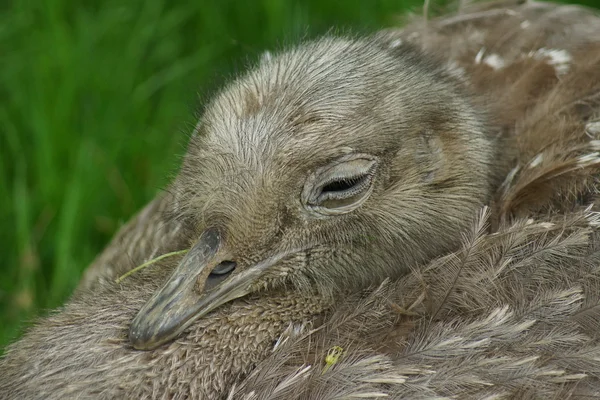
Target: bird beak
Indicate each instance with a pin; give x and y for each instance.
(182, 300)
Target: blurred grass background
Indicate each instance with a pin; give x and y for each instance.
(97, 100)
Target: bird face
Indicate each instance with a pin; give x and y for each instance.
(327, 168)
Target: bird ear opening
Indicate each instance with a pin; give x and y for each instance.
(430, 155)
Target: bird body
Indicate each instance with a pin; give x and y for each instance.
(331, 199)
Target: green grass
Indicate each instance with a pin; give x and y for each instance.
(97, 100)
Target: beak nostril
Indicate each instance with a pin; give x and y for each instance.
(224, 268)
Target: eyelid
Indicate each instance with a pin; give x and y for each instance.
(362, 181)
(361, 166)
(346, 174)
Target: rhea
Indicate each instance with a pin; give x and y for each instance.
(299, 170)
(332, 167)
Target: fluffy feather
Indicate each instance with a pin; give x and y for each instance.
(513, 313)
(536, 68)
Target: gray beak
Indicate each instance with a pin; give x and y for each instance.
(190, 293)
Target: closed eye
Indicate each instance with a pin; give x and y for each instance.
(343, 184)
(344, 187)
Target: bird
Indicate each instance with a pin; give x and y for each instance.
(410, 214)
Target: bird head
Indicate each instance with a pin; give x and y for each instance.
(326, 168)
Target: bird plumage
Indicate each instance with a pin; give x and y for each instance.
(505, 96)
(513, 314)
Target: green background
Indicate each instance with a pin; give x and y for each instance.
(97, 100)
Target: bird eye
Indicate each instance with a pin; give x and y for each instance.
(341, 186)
(342, 192)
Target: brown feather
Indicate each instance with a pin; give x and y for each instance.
(536, 68)
(515, 314)
(509, 310)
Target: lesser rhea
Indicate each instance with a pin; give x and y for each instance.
(331, 198)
